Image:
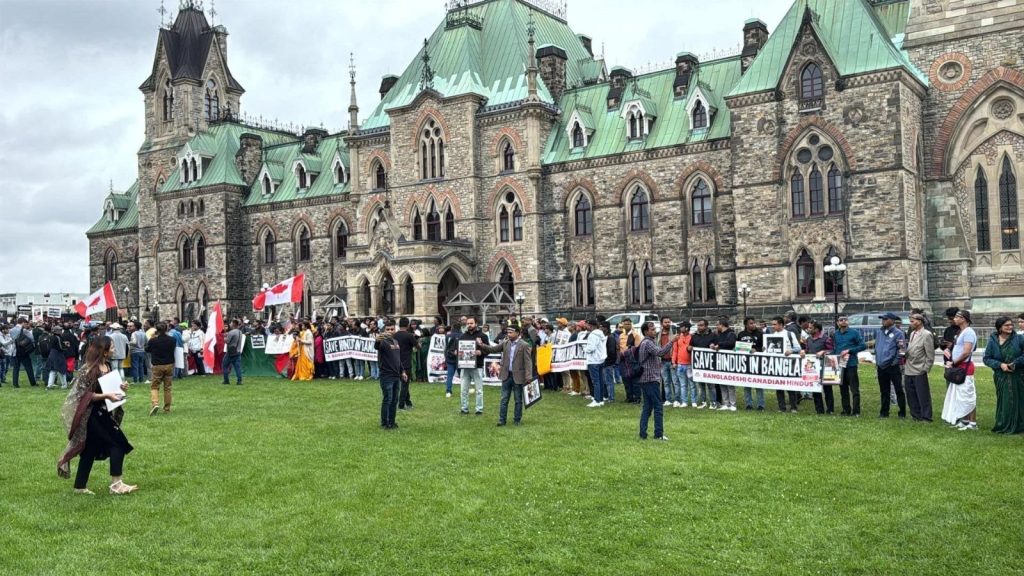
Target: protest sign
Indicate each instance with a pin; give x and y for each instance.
(768, 371)
(467, 354)
(258, 340)
(569, 356)
(349, 346)
(279, 344)
(492, 369)
(532, 393)
(832, 371)
(437, 367)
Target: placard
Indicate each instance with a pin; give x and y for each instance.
(492, 369)
(767, 371)
(437, 365)
(571, 356)
(279, 344)
(532, 393)
(467, 354)
(258, 340)
(349, 346)
(832, 371)
(775, 344)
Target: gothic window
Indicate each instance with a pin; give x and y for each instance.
(300, 175)
(696, 284)
(212, 101)
(449, 224)
(634, 286)
(417, 226)
(181, 209)
(186, 254)
(508, 158)
(269, 248)
(640, 211)
(195, 170)
(584, 217)
(506, 280)
(365, 296)
(503, 225)
(835, 285)
(981, 210)
(578, 287)
(700, 203)
(191, 208)
(648, 284)
(110, 267)
(304, 249)
(835, 190)
(341, 240)
(431, 151)
(796, 188)
(510, 219)
(410, 296)
(804, 275)
(201, 207)
(380, 176)
(267, 186)
(168, 101)
(816, 185)
(433, 224)
(636, 124)
(517, 224)
(387, 294)
(591, 293)
(700, 115)
(811, 84)
(578, 140)
(1008, 207)
(817, 194)
(709, 281)
(339, 173)
(185, 172)
(200, 252)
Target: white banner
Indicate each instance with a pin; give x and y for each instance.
(768, 371)
(345, 347)
(278, 344)
(571, 356)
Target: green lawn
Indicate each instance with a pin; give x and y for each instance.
(276, 477)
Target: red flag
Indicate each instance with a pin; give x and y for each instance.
(99, 301)
(214, 326)
(288, 291)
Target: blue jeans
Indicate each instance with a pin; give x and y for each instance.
(474, 377)
(389, 387)
(669, 382)
(608, 375)
(374, 370)
(452, 367)
(707, 392)
(596, 383)
(3, 368)
(230, 361)
(686, 390)
(750, 401)
(138, 367)
(508, 388)
(652, 403)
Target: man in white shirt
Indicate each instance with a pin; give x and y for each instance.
(597, 353)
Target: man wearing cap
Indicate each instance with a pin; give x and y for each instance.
(597, 353)
(119, 349)
(848, 343)
(516, 370)
(888, 343)
(920, 358)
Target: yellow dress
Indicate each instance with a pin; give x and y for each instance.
(304, 361)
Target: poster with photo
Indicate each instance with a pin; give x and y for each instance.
(437, 366)
(278, 344)
(492, 369)
(532, 393)
(775, 344)
(832, 373)
(467, 354)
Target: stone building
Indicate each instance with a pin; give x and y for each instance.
(888, 133)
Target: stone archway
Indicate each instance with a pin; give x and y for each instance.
(445, 288)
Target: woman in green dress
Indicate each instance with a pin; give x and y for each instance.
(1005, 356)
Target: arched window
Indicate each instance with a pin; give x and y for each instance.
(981, 211)
(506, 280)
(195, 170)
(185, 172)
(811, 85)
(269, 248)
(700, 203)
(634, 286)
(431, 151)
(380, 180)
(186, 254)
(584, 217)
(267, 186)
(709, 281)
(804, 275)
(648, 284)
(503, 225)
(796, 189)
(365, 297)
(181, 208)
(640, 211)
(696, 284)
(212, 101)
(700, 115)
(835, 190)
(591, 292)
(817, 193)
(339, 173)
(835, 285)
(449, 224)
(433, 224)
(300, 175)
(508, 158)
(417, 226)
(636, 123)
(517, 224)
(304, 251)
(578, 287)
(577, 136)
(201, 208)
(341, 240)
(110, 266)
(182, 304)
(387, 294)
(200, 252)
(410, 296)
(191, 208)
(1008, 207)
(168, 101)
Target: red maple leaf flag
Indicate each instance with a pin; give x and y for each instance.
(288, 291)
(214, 326)
(99, 301)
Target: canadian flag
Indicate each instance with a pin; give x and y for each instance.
(100, 301)
(288, 291)
(214, 326)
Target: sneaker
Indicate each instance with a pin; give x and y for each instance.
(749, 407)
(793, 410)
(732, 408)
(571, 393)
(674, 404)
(595, 404)
(472, 390)
(701, 406)
(479, 412)
(667, 403)
(683, 405)
(464, 412)
(722, 407)
(714, 406)
(662, 438)
(148, 382)
(968, 426)
(154, 410)
(760, 408)
(589, 397)
(447, 394)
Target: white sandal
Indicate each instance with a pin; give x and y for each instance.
(120, 487)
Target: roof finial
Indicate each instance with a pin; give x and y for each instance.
(427, 76)
(531, 71)
(163, 14)
(111, 185)
(213, 12)
(353, 108)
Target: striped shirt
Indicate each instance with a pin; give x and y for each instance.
(650, 355)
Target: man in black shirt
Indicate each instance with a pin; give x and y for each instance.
(473, 376)
(407, 341)
(753, 336)
(161, 349)
(704, 338)
(392, 375)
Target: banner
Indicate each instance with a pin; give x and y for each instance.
(768, 371)
(278, 344)
(467, 354)
(437, 367)
(565, 357)
(345, 347)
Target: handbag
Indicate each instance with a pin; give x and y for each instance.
(956, 374)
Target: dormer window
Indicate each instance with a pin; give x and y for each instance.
(811, 85)
(300, 175)
(268, 187)
(192, 165)
(636, 124)
(340, 176)
(578, 140)
(700, 116)
(638, 121)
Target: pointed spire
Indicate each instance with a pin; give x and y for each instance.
(531, 71)
(353, 108)
(427, 75)
(163, 14)
(111, 185)
(213, 12)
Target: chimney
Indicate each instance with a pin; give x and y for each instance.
(311, 139)
(552, 68)
(386, 84)
(221, 33)
(755, 34)
(249, 158)
(619, 77)
(587, 42)
(686, 66)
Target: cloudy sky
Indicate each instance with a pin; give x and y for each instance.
(71, 117)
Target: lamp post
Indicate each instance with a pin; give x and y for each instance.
(836, 268)
(744, 293)
(520, 298)
(146, 290)
(127, 292)
(263, 290)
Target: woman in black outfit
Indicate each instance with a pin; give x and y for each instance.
(94, 433)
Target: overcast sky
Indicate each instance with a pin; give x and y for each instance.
(71, 117)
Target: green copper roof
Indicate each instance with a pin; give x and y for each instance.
(672, 126)
(128, 201)
(893, 16)
(220, 143)
(490, 61)
(853, 36)
(279, 161)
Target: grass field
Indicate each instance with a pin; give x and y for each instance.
(276, 477)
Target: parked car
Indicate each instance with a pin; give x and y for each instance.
(638, 319)
(868, 323)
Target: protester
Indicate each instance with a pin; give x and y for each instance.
(960, 406)
(610, 369)
(389, 359)
(685, 388)
(137, 348)
(791, 345)
(194, 346)
(628, 338)
(668, 369)
(119, 347)
(233, 354)
(94, 432)
(6, 351)
(649, 355)
(161, 349)
(704, 338)
(753, 337)
(725, 340)
(473, 376)
(1020, 324)
(889, 342)
(920, 358)
(407, 341)
(373, 328)
(451, 359)
(24, 346)
(820, 345)
(516, 370)
(1004, 354)
(180, 366)
(849, 343)
(597, 353)
(302, 348)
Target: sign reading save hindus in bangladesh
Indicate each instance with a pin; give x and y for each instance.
(569, 356)
(345, 347)
(769, 371)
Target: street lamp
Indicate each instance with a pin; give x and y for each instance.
(836, 268)
(744, 293)
(127, 292)
(520, 298)
(263, 290)
(146, 290)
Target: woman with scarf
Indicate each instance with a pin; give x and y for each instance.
(303, 353)
(94, 433)
(1005, 356)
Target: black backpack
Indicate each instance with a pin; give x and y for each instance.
(23, 344)
(630, 364)
(44, 344)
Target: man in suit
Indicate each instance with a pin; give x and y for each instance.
(920, 358)
(516, 370)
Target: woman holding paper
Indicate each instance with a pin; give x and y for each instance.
(94, 430)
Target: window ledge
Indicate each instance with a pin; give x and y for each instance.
(817, 217)
(430, 180)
